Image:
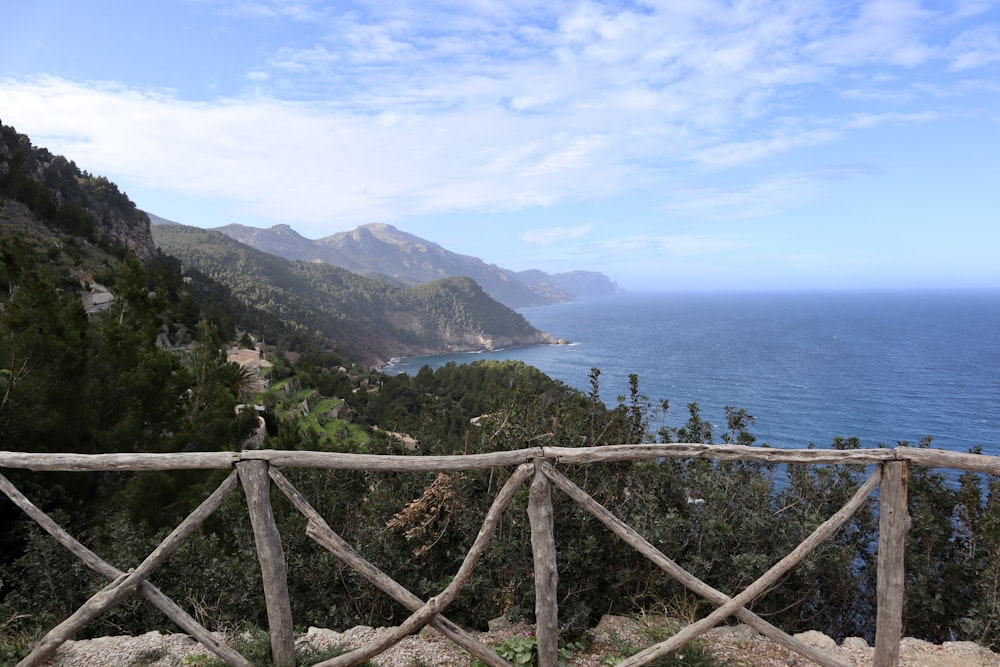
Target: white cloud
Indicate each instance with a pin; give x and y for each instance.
(673, 246)
(399, 109)
(743, 201)
(883, 31)
(742, 152)
(975, 48)
(870, 120)
(555, 235)
(293, 161)
(268, 9)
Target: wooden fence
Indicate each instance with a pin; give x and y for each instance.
(254, 470)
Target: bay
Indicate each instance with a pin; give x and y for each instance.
(883, 366)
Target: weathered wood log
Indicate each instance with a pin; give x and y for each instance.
(439, 602)
(289, 459)
(817, 537)
(893, 524)
(634, 539)
(613, 453)
(170, 608)
(320, 531)
(543, 549)
(220, 460)
(271, 556)
(116, 591)
(120, 462)
(578, 455)
(392, 463)
(939, 458)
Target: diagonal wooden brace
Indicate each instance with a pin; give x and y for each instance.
(424, 613)
(432, 608)
(122, 586)
(170, 608)
(817, 537)
(631, 537)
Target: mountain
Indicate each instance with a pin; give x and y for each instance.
(84, 227)
(578, 283)
(382, 251)
(368, 320)
(69, 200)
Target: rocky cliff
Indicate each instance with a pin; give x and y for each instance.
(67, 199)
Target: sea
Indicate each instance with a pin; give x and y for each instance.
(883, 366)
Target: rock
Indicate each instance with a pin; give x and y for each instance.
(737, 634)
(320, 638)
(358, 635)
(499, 623)
(612, 623)
(817, 639)
(854, 643)
(915, 644)
(967, 647)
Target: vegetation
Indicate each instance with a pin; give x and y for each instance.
(68, 199)
(522, 649)
(451, 313)
(254, 644)
(148, 374)
(693, 654)
(383, 252)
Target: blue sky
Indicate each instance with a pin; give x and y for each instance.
(672, 145)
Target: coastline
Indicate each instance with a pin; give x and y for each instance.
(411, 359)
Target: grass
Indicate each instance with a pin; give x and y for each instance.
(692, 654)
(15, 640)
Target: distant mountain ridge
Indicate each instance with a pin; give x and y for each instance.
(366, 319)
(382, 251)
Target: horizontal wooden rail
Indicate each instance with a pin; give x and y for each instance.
(256, 469)
(931, 458)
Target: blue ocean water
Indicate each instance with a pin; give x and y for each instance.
(884, 366)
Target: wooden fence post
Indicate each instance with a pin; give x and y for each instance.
(543, 547)
(257, 486)
(893, 524)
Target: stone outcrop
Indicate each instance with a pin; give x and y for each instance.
(63, 197)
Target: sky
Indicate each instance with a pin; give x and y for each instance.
(671, 144)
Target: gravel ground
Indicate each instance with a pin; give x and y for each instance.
(738, 646)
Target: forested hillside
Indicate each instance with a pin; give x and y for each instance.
(369, 320)
(69, 199)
